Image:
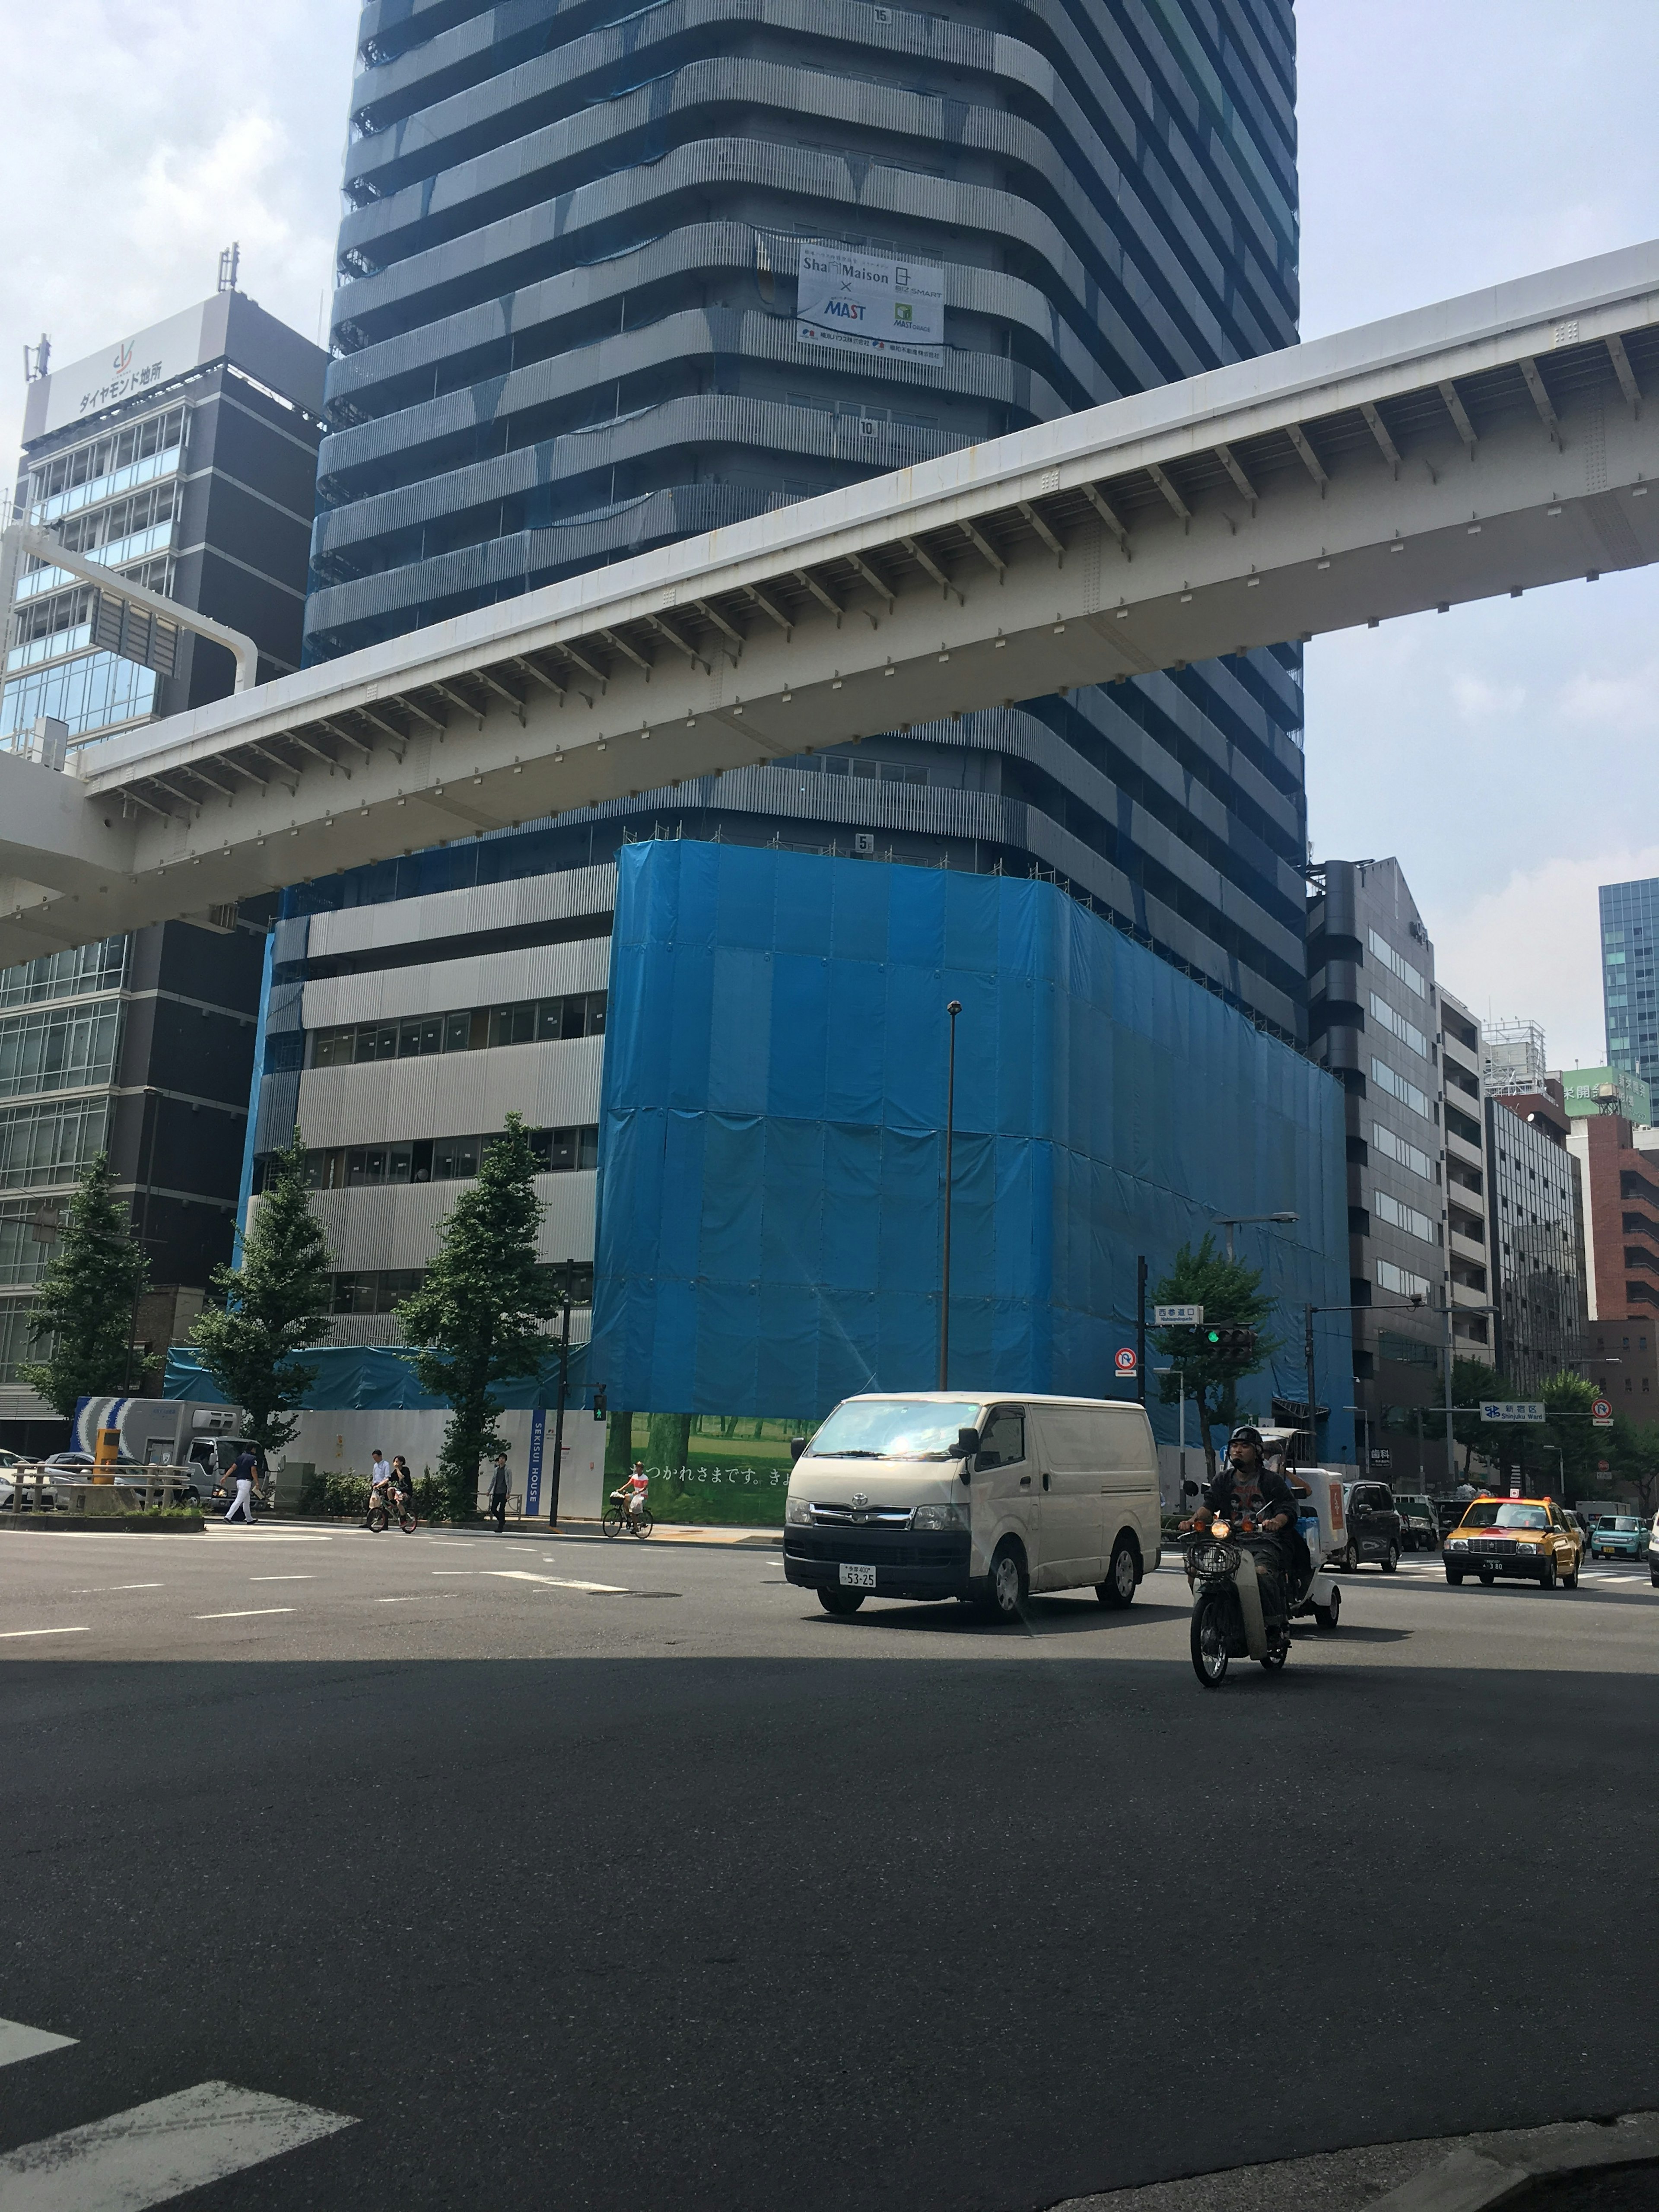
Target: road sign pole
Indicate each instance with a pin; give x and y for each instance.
(1140, 1323)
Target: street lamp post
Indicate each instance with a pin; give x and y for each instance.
(1231, 1221)
(953, 1009)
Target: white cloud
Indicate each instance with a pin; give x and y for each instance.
(1478, 700)
(1628, 704)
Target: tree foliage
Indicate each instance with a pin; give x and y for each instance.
(476, 1320)
(1231, 1294)
(87, 1292)
(272, 1306)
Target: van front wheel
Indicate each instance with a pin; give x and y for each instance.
(834, 1599)
(1007, 1586)
(1119, 1588)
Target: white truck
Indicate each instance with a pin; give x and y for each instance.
(164, 1432)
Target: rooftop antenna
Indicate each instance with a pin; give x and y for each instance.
(229, 262)
(37, 360)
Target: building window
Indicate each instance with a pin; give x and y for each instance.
(1396, 1024)
(1402, 1217)
(64, 1048)
(1403, 1284)
(95, 968)
(1397, 1087)
(526, 1021)
(1395, 965)
(438, 1159)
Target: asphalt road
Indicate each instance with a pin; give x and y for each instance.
(675, 1891)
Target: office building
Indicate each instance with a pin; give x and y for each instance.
(1469, 1267)
(590, 276)
(1375, 1022)
(1630, 934)
(1535, 1232)
(1618, 1176)
(181, 456)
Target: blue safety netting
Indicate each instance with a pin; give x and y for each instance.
(771, 1149)
(373, 1378)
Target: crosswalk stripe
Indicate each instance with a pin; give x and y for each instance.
(17, 2041)
(157, 2151)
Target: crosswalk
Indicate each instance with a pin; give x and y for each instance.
(154, 2151)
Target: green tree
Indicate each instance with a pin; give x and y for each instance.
(476, 1319)
(87, 1293)
(272, 1306)
(1473, 1383)
(1232, 1296)
(1631, 1451)
(1569, 1431)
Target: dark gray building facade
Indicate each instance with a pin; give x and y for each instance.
(181, 457)
(581, 313)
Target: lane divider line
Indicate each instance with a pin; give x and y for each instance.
(155, 2152)
(282, 1578)
(10, 1635)
(17, 2041)
(554, 1582)
(250, 1613)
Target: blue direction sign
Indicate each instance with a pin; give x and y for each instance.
(1511, 1409)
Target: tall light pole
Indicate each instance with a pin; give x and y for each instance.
(953, 1009)
(1231, 1221)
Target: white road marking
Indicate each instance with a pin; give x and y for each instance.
(554, 1581)
(102, 1590)
(419, 1597)
(455, 1570)
(254, 1613)
(282, 1578)
(17, 2041)
(10, 1634)
(260, 1535)
(158, 2151)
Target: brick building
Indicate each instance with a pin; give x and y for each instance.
(1619, 1176)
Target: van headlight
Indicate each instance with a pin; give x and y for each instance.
(798, 1513)
(940, 1516)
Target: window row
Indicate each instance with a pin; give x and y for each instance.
(1397, 1087)
(150, 470)
(101, 456)
(1400, 1281)
(1407, 1350)
(121, 519)
(91, 694)
(1403, 1217)
(527, 1021)
(1402, 1154)
(381, 1290)
(66, 975)
(65, 1049)
(16, 1318)
(438, 1159)
(860, 764)
(1397, 965)
(1397, 1025)
(51, 1144)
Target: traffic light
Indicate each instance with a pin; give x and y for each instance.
(1236, 1346)
(598, 1402)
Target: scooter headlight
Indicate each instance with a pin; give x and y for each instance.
(1221, 1529)
(1215, 1562)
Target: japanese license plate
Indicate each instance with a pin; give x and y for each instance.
(855, 1577)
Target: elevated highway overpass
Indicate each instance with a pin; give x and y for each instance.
(1485, 446)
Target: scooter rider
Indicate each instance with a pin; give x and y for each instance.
(1246, 1467)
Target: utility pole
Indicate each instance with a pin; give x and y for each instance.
(953, 1009)
(1140, 1327)
(1313, 1400)
(558, 1417)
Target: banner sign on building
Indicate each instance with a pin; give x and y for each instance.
(131, 365)
(532, 1480)
(869, 303)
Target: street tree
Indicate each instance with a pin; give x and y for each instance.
(271, 1307)
(88, 1297)
(479, 1317)
(1473, 1384)
(1571, 1444)
(1232, 1296)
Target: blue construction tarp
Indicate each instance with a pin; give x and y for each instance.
(771, 1155)
(371, 1378)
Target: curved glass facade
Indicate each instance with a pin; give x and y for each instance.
(566, 331)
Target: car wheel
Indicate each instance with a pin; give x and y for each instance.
(1007, 1586)
(1571, 1582)
(840, 1603)
(1390, 1561)
(1455, 1576)
(1327, 1616)
(1487, 1577)
(1349, 1562)
(1546, 1575)
(1654, 1573)
(1119, 1588)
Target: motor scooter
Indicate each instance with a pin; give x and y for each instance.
(1238, 1613)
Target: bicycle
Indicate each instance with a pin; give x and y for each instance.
(617, 1518)
(379, 1513)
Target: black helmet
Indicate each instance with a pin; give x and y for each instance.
(1246, 1436)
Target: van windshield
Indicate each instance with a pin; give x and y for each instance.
(892, 1428)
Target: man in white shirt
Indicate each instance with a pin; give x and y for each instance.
(380, 1470)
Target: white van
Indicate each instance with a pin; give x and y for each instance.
(939, 1493)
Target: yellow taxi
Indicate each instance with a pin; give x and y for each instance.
(1531, 1537)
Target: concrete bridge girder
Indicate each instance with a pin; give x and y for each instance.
(1487, 446)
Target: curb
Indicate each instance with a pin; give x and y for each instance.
(1470, 2181)
(104, 1524)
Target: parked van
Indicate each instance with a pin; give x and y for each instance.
(937, 1494)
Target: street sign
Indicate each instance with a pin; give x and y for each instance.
(1177, 1316)
(532, 1487)
(1127, 1362)
(1511, 1409)
(1601, 1414)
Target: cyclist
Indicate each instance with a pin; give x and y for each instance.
(631, 1495)
(380, 1480)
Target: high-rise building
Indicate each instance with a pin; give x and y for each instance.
(181, 457)
(607, 283)
(1535, 1223)
(1468, 1214)
(1630, 935)
(1375, 1022)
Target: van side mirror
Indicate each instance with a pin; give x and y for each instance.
(967, 1444)
(796, 1446)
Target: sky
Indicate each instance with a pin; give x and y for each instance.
(1503, 752)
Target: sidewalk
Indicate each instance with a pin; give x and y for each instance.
(568, 1531)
